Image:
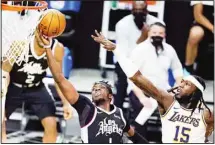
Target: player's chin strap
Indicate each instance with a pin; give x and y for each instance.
(195, 82)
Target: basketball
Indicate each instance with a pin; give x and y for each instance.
(52, 23)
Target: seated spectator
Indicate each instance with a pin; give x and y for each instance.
(203, 25)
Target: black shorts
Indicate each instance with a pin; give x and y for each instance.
(36, 99)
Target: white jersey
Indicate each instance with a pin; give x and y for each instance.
(179, 127)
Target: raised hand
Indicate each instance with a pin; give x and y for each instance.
(108, 45)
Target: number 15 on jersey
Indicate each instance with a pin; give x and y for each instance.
(182, 134)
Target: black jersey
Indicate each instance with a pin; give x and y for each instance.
(208, 12)
(32, 71)
(98, 125)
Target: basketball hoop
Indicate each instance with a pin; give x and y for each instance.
(41, 5)
(19, 21)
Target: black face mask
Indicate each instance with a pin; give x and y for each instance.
(157, 42)
(139, 19)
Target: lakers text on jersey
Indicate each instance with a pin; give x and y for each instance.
(178, 126)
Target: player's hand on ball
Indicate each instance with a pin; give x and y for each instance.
(43, 41)
(67, 111)
(108, 45)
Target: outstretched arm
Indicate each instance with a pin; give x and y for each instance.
(163, 98)
(58, 55)
(132, 72)
(66, 87)
(82, 104)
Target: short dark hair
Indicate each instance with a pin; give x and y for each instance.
(106, 84)
(158, 24)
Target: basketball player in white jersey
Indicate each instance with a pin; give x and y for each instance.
(184, 115)
(24, 84)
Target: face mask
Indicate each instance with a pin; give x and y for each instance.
(139, 19)
(156, 40)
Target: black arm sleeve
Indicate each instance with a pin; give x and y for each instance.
(127, 127)
(85, 109)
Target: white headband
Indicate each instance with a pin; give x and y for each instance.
(195, 82)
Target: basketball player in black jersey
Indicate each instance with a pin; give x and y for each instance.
(101, 122)
(189, 94)
(26, 86)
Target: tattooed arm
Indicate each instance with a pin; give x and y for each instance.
(164, 99)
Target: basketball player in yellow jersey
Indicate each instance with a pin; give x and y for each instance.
(26, 86)
(184, 115)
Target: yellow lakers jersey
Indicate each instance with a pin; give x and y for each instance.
(179, 127)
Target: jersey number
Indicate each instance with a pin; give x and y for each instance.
(30, 79)
(183, 133)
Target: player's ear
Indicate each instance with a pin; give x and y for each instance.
(110, 96)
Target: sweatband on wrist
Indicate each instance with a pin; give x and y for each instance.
(129, 68)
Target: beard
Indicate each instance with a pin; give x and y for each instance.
(183, 99)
